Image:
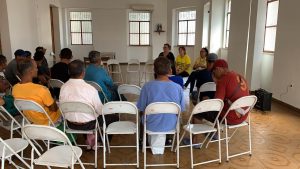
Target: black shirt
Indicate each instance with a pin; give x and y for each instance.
(60, 71)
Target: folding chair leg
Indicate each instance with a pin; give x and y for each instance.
(191, 148)
(173, 142)
(137, 149)
(180, 139)
(144, 149)
(226, 141)
(104, 150)
(96, 148)
(3, 159)
(219, 137)
(177, 147)
(250, 141)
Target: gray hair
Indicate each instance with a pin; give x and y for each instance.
(94, 56)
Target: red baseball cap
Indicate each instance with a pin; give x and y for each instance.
(220, 63)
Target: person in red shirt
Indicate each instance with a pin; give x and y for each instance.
(230, 87)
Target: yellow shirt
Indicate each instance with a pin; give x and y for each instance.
(200, 62)
(182, 62)
(40, 95)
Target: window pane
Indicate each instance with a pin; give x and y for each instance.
(191, 26)
(182, 27)
(144, 27)
(75, 26)
(270, 37)
(134, 39)
(80, 15)
(187, 15)
(87, 38)
(272, 13)
(191, 39)
(145, 39)
(134, 27)
(76, 38)
(182, 39)
(86, 26)
(138, 16)
(228, 22)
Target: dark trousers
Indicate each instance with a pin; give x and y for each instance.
(183, 74)
(192, 79)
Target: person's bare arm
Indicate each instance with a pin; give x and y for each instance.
(2, 102)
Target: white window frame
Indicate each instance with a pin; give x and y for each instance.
(270, 26)
(70, 31)
(227, 15)
(132, 11)
(177, 26)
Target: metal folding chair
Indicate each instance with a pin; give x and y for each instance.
(162, 108)
(209, 130)
(115, 68)
(133, 67)
(64, 156)
(99, 89)
(206, 87)
(120, 127)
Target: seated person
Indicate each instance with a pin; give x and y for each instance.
(44, 62)
(183, 63)
(161, 90)
(60, 70)
(203, 76)
(200, 62)
(4, 84)
(11, 71)
(35, 92)
(167, 53)
(96, 73)
(43, 71)
(177, 79)
(230, 87)
(76, 89)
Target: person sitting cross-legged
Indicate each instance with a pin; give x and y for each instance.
(76, 89)
(161, 90)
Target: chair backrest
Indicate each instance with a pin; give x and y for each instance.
(163, 108)
(75, 106)
(112, 62)
(98, 88)
(42, 132)
(55, 83)
(129, 89)
(206, 87)
(243, 102)
(149, 65)
(207, 106)
(120, 107)
(133, 62)
(29, 105)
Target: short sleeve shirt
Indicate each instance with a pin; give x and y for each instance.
(181, 62)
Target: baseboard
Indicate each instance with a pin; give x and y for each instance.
(286, 105)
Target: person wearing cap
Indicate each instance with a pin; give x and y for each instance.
(96, 73)
(11, 71)
(230, 87)
(202, 76)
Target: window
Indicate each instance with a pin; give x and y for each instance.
(81, 28)
(139, 28)
(271, 25)
(227, 23)
(186, 28)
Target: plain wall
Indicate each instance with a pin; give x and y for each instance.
(110, 28)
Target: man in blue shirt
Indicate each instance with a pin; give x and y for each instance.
(94, 72)
(161, 90)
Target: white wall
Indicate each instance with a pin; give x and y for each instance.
(287, 50)
(4, 30)
(29, 27)
(110, 28)
(174, 5)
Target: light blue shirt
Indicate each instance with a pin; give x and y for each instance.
(161, 91)
(101, 77)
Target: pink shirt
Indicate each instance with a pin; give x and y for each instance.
(79, 90)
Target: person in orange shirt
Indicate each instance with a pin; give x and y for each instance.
(35, 92)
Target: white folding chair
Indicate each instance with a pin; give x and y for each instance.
(148, 73)
(55, 83)
(64, 156)
(162, 108)
(11, 147)
(244, 104)
(206, 87)
(82, 108)
(29, 105)
(133, 67)
(115, 68)
(120, 127)
(98, 88)
(19, 79)
(12, 123)
(129, 89)
(209, 130)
